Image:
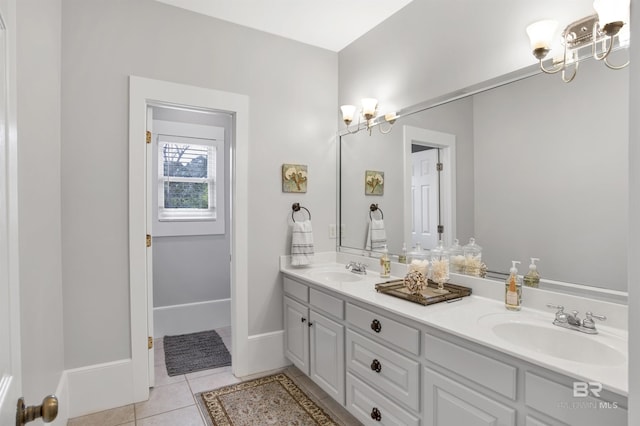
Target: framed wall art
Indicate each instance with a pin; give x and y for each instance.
(294, 178)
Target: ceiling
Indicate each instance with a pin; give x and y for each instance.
(329, 24)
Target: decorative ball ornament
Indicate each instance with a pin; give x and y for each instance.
(415, 281)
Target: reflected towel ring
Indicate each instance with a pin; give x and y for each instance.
(373, 208)
(296, 208)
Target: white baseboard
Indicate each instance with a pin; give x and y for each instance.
(98, 387)
(191, 317)
(87, 390)
(266, 352)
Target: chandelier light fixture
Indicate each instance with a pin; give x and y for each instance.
(368, 112)
(603, 31)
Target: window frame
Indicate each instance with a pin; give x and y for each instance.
(170, 214)
(191, 226)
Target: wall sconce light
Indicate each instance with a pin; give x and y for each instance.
(598, 31)
(369, 112)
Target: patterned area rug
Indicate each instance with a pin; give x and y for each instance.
(270, 400)
(187, 353)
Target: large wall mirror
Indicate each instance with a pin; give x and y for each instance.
(532, 168)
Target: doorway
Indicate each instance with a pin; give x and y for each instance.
(191, 245)
(425, 198)
(438, 191)
(144, 92)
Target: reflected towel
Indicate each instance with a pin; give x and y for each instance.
(301, 243)
(376, 236)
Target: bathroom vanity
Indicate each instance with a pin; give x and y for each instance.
(469, 362)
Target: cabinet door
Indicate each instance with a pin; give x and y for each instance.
(327, 355)
(296, 334)
(449, 403)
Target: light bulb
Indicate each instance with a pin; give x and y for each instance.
(348, 111)
(541, 34)
(369, 106)
(612, 11)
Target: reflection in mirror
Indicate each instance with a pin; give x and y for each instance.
(538, 169)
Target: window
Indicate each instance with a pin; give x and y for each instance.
(187, 178)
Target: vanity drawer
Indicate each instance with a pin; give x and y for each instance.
(386, 370)
(296, 289)
(329, 304)
(492, 374)
(396, 333)
(371, 407)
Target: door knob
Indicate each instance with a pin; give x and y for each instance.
(48, 410)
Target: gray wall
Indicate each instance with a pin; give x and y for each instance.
(293, 95)
(189, 269)
(433, 47)
(38, 103)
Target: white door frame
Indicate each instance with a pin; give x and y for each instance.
(10, 359)
(447, 144)
(141, 92)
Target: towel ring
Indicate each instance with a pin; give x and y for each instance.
(296, 208)
(373, 208)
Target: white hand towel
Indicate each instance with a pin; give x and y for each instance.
(376, 236)
(301, 243)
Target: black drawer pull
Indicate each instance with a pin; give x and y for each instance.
(375, 414)
(310, 323)
(376, 366)
(376, 326)
(303, 319)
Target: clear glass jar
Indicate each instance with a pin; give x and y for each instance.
(472, 258)
(456, 257)
(418, 260)
(440, 266)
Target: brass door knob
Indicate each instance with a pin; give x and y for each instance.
(48, 410)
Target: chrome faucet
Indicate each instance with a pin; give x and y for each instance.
(573, 322)
(356, 267)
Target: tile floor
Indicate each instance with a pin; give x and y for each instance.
(171, 401)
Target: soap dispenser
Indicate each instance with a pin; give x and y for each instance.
(532, 279)
(513, 290)
(385, 263)
(402, 257)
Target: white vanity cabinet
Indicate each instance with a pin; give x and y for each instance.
(467, 384)
(314, 342)
(390, 369)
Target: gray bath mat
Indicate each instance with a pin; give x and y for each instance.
(187, 353)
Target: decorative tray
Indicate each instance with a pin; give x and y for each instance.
(426, 297)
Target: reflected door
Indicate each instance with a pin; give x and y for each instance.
(425, 189)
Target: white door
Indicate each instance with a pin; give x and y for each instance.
(296, 334)
(10, 378)
(425, 189)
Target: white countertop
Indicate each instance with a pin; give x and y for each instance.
(463, 319)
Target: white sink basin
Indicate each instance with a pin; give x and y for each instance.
(334, 275)
(538, 336)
